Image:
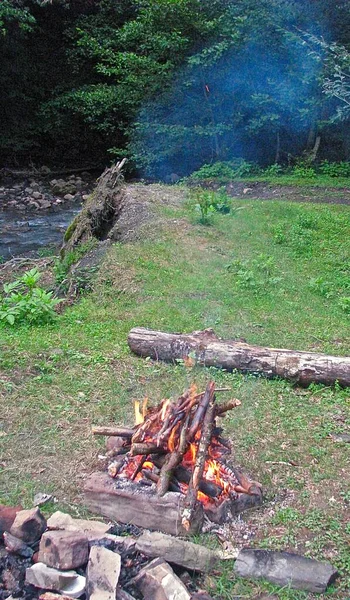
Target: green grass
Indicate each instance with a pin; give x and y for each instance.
(274, 273)
(318, 180)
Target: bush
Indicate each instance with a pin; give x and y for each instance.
(333, 169)
(25, 302)
(225, 171)
(207, 202)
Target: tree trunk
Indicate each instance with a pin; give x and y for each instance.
(209, 350)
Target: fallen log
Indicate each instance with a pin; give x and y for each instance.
(211, 351)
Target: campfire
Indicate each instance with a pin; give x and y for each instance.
(177, 448)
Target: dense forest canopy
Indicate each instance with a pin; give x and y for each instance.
(173, 84)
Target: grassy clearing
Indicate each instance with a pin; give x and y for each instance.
(275, 273)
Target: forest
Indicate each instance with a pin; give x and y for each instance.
(174, 84)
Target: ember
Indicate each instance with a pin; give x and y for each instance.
(177, 447)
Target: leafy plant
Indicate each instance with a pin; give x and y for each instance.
(25, 301)
(335, 169)
(225, 171)
(207, 202)
(256, 274)
(344, 304)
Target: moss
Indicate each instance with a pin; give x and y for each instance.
(70, 229)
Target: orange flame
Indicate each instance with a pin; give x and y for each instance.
(138, 414)
(164, 409)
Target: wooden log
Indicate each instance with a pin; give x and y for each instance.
(145, 448)
(130, 505)
(125, 432)
(172, 461)
(209, 488)
(197, 420)
(193, 557)
(197, 474)
(300, 367)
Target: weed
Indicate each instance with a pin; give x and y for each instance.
(25, 302)
(255, 275)
(63, 265)
(207, 203)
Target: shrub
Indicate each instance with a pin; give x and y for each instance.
(333, 169)
(25, 302)
(207, 202)
(225, 171)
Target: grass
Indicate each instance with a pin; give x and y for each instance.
(274, 273)
(322, 181)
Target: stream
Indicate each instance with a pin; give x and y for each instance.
(23, 232)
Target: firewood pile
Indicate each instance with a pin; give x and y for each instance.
(177, 447)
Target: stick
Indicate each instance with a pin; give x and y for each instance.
(172, 460)
(125, 432)
(223, 408)
(146, 448)
(209, 488)
(201, 410)
(197, 474)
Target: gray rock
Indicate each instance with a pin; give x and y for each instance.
(157, 581)
(36, 195)
(16, 546)
(29, 525)
(68, 197)
(341, 437)
(64, 549)
(102, 574)
(285, 569)
(68, 582)
(28, 190)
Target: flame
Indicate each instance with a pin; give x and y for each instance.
(171, 441)
(148, 465)
(164, 409)
(144, 407)
(138, 414)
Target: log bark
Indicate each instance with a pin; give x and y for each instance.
(124, 432)
(299, 367)
(103, 497)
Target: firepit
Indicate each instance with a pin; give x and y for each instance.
(171, 469)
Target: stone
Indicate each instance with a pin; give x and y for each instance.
(28, 190)
(68, 197)
(179, 552)
(285, 569)
(16, 546)
(44, 204)
(103, 572)
(64, 549)
(35, 186)
(7, 517)
(41, 498)
(341, 437)
(157, 581)
(29, 525)
(36, 195)
(94, 530)
(68, 583)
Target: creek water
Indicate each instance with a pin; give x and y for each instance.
(23, 232)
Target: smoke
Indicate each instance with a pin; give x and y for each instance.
(257, 100)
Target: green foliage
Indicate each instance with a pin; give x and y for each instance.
(24, 301)
(225, 171)
(256, 275)
(334, 169)
(63, 265)
(14, 13)
(207, 202)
